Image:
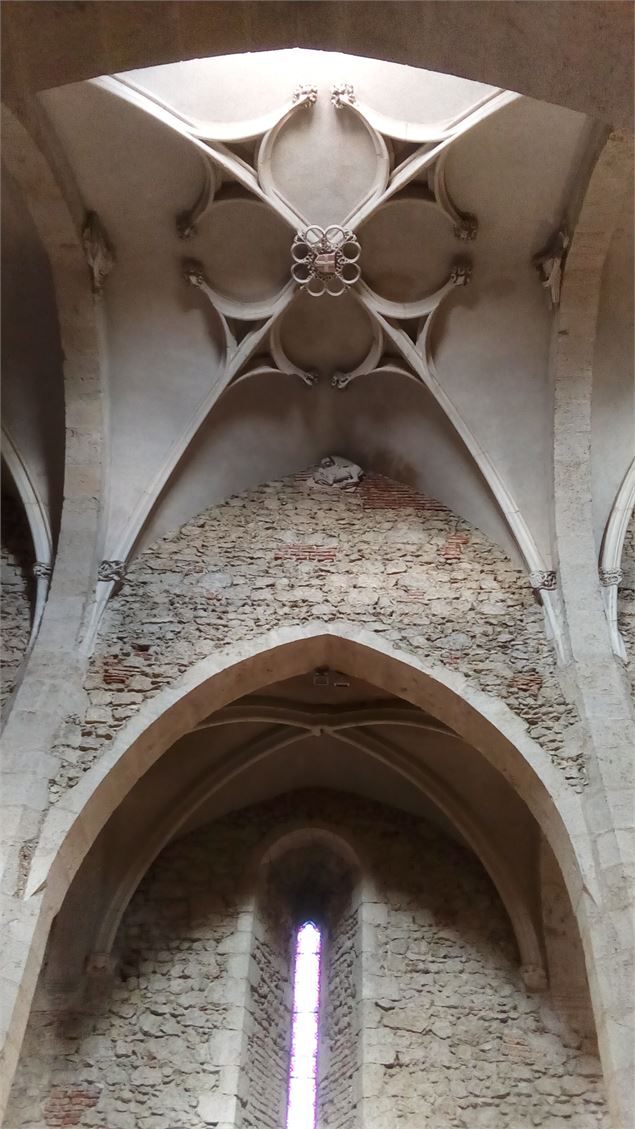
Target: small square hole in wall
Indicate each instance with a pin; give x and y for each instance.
(324, 677)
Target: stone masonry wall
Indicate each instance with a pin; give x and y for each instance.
(339, 1084)
(157, 1046)
(451, 1038)
(16, 583)
(447, 1028)
(382, 557)
(264, 1085)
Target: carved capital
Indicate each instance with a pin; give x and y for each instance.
(544, 580)
(342, 94)
(611, 577)
(41, 569)
(305, 95)
(112, 571)
(98, 249)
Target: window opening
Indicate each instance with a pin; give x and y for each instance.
(305, 1028)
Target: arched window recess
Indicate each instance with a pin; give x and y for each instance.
(305, 1026)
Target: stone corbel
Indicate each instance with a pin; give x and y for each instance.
(111, 572)
(550, 265)
(543, 580)
(98, 249)
(42, 570)
(611, 577)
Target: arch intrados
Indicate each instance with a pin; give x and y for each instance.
(73, 824)
(424, 781)
(307, 834)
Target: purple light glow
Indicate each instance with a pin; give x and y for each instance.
(302, 1095)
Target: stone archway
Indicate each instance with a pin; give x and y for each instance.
(486, 723)
(74, 823)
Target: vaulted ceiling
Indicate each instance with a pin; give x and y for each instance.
(223, 368)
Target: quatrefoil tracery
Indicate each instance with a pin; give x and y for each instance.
(428, 162)
(325, 260)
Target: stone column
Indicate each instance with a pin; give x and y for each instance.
(596, 677)
(51, 688)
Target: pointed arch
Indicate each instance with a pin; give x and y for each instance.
(72, 826)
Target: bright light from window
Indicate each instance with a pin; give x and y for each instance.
(302, 1097)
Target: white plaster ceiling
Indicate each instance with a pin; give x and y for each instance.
(515, 171)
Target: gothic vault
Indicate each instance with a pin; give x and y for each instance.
(318, 565)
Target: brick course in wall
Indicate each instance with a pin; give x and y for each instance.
(449, 1036)
(291, 552)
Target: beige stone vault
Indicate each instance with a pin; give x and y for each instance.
(318, 449)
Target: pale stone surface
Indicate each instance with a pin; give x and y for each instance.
(626, 598)
(424, 1011)
(549, 59)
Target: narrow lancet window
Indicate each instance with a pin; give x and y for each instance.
(302, 1093)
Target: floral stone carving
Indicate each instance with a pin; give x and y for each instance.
(325, 260)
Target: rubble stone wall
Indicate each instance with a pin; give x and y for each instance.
(17, 585)
(450, 1037)
(340, 1059)
(382, 557)
(263, 1086)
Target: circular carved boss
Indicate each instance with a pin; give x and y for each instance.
(325, 260)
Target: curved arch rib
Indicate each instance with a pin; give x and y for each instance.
(236, 355)
(246, 130)
(38, 519)
(611, 554)
(231, 766)
(434, 143)
(446, 799)
(235, 765)
(421, 363)
(212, 147)
(284, 712)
